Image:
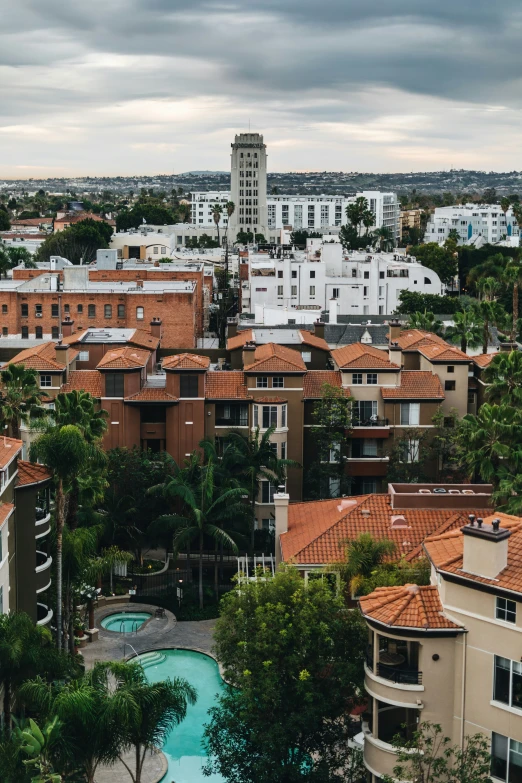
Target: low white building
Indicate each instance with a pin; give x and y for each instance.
(474, 223)
(359, 283)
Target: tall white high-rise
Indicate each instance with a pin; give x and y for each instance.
(248, 184)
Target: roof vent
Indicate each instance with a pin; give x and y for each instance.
(345, 503)
(365, 512)
(399, 521)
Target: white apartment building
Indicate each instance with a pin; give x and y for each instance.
(472, 222)
(325, 277)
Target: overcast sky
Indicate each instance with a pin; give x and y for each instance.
(161, 86)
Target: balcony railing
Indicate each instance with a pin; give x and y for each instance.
(231, 422)
(370, 421)
(398, 675)
(379, 453)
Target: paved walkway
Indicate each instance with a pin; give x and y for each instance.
(154, 769)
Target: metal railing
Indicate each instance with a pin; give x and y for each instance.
(400, 676)
(369, 421)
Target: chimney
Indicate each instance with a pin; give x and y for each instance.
(319, 329)
(67, 326)
(156, 328)
(281, 520)
(333, 311)
(139, 283)
(394, 329)
(62, 354)
(248, 354)
(485, 548)
(231, 327)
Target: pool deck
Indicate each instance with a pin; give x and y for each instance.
(154, 769)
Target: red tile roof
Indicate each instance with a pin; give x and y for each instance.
(5, 510)
(415, 385)
(443, 353)
(318, 530)
(308, 338)
(227, 385)
(411, 339)
(144, 339)
(32, 473)
(127, 358)
(315, 379)
(270, 399)
(39, 357)
(151, 395)
(407, 606)
(276, 358)
(446, 552)
(360, 356)
(239, 339)
(185, 361)
(9, 447)
(90, 381)
(483, 359)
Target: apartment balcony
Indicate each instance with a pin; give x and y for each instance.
(42, 521)
(370, 427)
(386, 722)
(375, 455)
(394, 671)
(44, 614)
(43, 571)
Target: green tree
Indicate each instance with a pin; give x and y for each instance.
(384, 238)
(145, 212)
(504, 376)
(19, 255)
(413, 302)
(512, 276)
(332, 417)
(78, 243)
(5, 223)
(438, 258)
(407, 457)
(217, 211)
(425, 321)
(37, 744)
(490, 313)
(363, 555)
(466, 330)
(427, 756)
(293, 658)
(490, 442)
(298, 237)
(20, 400)
(453, 235)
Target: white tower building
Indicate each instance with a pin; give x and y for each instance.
(248, 184)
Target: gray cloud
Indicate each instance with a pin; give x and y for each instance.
(132, 86)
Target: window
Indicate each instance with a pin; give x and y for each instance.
(267, 492)
(54, 311)
(24, 310)
(451, 368)
(366, 290)
(278, 382)
(25, 332)
(5, 331)
(114, 384)
(409, 451)
(79, 309)
(4, 309)
(280, 273)
(335, 293)
(55, 332)
(283, 416)
(294, 274)
(107, 311)
(449, 385)
(365, 411)
(427, 281)
(38, 332)
(269, 416)
(381, 291)
(335, 454)
(280, 290)
(262, 382)
(91, 311)
(371, 378)
(507, 686)
(121, 311)
(312, 275)
(369, 447)
(232, 415)
(307, 356)
(140, 314)
(354, 272)
(312, 290)
(366, 275)
(410, 413)
(283, 450)
(381, 275)
(188, 386)
(45, 380)
(67, 308)
(506, 758)
(357, 378)
(506, 610)
(38, 310)
(294, 290)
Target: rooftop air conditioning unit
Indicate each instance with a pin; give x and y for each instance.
(38, 315)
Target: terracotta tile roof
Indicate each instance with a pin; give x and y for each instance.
(410, 339)
(446, 553)
(276, 358)
(308, 338)
(415, 385)
(38, 357)
(5, 510)
(315, 379)
(270, 399)
(483, 359)
(317, 530)
(185, 361)
(239, 339)
(8, 448)
(227, 385)
(360, 356)
(85, 380)
(32, 473)
(74, 338)
(127, 358)
(443, 353)
(144, 339)
(407, 606)
(151, 395)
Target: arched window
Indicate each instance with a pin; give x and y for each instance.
(427, 281)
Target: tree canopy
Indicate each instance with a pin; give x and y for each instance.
(78, 243)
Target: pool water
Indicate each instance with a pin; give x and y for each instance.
(183, 748)
(125, 622)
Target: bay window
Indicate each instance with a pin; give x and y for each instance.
(507, 687)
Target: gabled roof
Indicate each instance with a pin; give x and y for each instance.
(72, 339)
(318, 530)
(228, 385)
(144, 339)
(361, 356)
(443, 353)
(315, 379)
(308, 338)
(407, 606)
(185, 361)
(127, 358)
(40, 357)
(90, 381)
(151, 394)
(411, 339)
(239, 339)
(415, 385)
(276, 358)
(9, 447)
(483, 359)
(446, 552)
(32, 473)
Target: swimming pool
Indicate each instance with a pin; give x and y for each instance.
(125, 622)
(183, 748)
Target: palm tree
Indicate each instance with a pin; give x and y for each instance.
(368, 219)
(258, 461)
(205, 508)
(363, 555)
(490, 313)
(159, 706)
(68, 454)
(425, 321)
(20, 397)
(491, 440)
(217, 211)
(504, 375)
(385, 238)
(466, 330)
(512, 275)
(491, 268)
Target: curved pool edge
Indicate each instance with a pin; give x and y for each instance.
(106, 617)
(181, 647)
